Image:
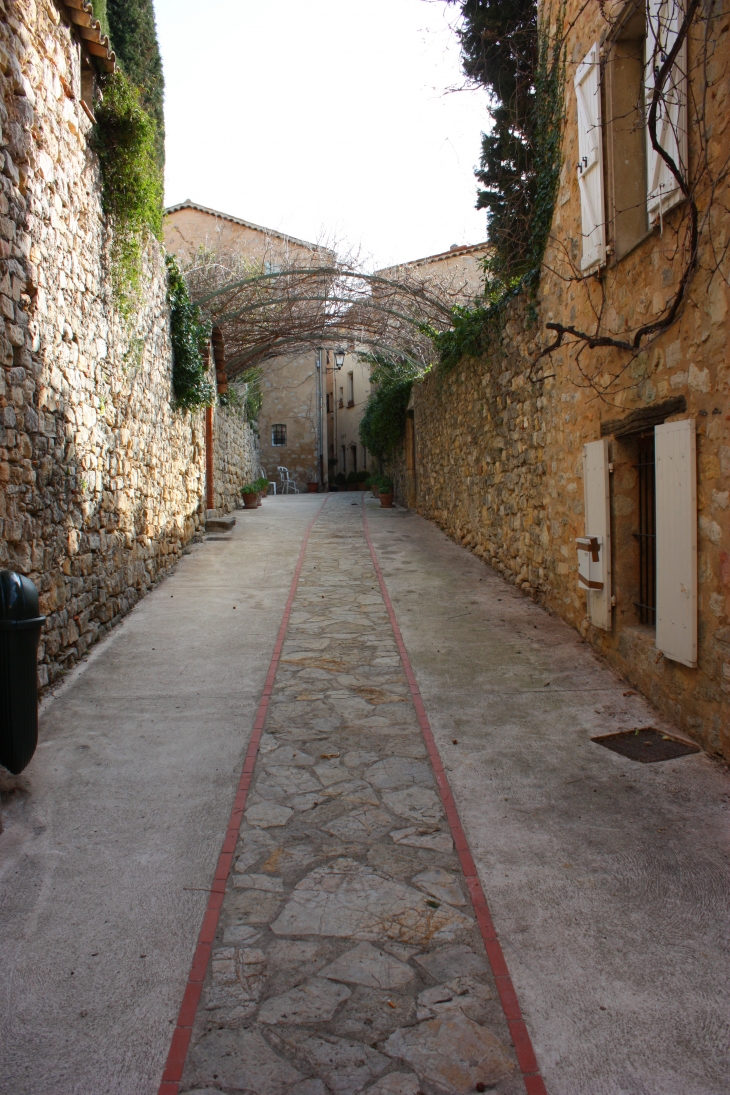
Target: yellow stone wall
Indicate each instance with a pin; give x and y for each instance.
(499, 455)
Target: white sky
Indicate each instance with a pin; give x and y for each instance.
(324, 118)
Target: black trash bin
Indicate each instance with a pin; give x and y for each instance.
(20, 631)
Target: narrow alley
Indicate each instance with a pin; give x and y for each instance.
(340, 923)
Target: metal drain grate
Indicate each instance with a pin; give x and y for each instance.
(646, 744)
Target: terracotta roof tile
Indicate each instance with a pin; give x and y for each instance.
(88, 28)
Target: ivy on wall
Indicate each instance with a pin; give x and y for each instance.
(384, 418)
(190, 333)
(134, 37)
(132, 188)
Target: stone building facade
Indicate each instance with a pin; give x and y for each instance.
(291, 431)
(500, 442)
(102, 479)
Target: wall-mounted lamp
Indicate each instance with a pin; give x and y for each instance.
(339, 358)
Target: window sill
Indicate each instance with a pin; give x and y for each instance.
(351, 403)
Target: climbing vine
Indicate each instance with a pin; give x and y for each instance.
(190, 333)
(124, 139)
(384, 418)
(254, 396)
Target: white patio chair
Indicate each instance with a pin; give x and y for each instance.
(263, 474)
(287, 483)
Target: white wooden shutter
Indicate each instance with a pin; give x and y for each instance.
(664, 18)
(676, 541)
(590, 163)
(597, 505)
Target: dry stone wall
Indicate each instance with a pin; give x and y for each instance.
(102, 480)
(235, 457)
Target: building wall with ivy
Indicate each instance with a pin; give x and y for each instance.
(101, 478)
(500, 436)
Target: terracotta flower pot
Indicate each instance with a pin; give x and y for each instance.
(361, 486)
(386, 501)
(312, 488)
(376, 491)
(250, 501)
(342, 486)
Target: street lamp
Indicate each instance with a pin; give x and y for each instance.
(339, 359)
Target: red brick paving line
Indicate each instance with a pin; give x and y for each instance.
(534, 1083)
(172, 1075)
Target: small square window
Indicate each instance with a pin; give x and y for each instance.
(278, 434)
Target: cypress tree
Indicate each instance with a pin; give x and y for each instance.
(134, 38)
(499, 44)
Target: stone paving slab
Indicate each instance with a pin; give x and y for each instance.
(348, 957)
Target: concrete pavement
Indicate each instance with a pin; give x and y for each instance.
(348, 956)
(106, 862)
(607, 879)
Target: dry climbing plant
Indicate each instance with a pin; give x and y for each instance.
(291, 302)
(693, 238)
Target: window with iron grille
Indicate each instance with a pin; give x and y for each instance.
(646, 533)
(278, 434)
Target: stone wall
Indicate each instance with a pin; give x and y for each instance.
(499, 455)
(499, 468)
(480, 441)
(235, 457)
(102, 480)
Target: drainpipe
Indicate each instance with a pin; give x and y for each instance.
(318, 375)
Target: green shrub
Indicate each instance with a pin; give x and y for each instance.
(190, 333)
(250, 488)
(362, 476)
(386, 484)
(384, 419)
(340, 479)
(351, 477)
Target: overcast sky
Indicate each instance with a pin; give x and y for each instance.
(324, 118)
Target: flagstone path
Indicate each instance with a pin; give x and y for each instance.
(348, 957)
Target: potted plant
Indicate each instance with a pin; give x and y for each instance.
(352, 480)
(373, 482)
(362, 479)
(312, 488)
(250, 495)
(341, 480)
(262, 486)
(386, 492)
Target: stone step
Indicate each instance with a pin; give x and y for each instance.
(219, 524)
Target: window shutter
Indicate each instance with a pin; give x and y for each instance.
(676, 541)
(596, 572)
(590, 165)
(664, 18)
